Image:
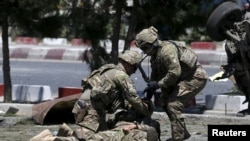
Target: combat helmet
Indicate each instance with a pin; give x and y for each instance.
(148, 35)
(131, 57)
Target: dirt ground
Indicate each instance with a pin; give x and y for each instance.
(24, 130)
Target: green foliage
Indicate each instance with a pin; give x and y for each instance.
(94, 20)
(173, 17)
(37, 18)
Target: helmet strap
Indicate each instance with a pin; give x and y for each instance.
(155, 43)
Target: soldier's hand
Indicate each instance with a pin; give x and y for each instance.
(152, 86)
(127, 128)
(149, 93)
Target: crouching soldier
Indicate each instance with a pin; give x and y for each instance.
(125, 125)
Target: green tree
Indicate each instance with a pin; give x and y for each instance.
(37, 18)
(97, 20)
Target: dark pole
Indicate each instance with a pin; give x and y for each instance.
(5, 50)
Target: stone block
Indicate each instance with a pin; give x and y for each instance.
(230, 103)
(31, 93)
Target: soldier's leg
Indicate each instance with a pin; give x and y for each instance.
(70, 138)
(181, 95)
(45, 135)
(64, 130)
(82, 133)
(85, 114)
(91, 120)
(174, 110)
(118, 133)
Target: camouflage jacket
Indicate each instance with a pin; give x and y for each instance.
(166, 66)
(111, 88)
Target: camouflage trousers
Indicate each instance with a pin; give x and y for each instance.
(115, 134)
(175, 100)
(86, 115)
(84, 134)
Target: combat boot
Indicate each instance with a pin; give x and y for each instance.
(65, 139)
(186, 133)
(65, 130)
(45, 135)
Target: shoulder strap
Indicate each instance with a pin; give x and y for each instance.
(107, 67)
(177, 47)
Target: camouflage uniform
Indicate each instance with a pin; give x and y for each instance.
(149, 129)
(145, 133)
(107, 89)
(117, 134)
(179, 82)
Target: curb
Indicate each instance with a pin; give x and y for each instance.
(71, 53)
(204, 118)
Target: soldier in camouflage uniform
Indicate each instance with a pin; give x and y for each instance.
(176, 72)
(122, 131)
(107, 89)
(128, 125)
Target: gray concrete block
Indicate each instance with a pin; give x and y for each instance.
(230, 103)
(31, 93)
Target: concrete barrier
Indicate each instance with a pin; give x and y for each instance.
(27, 40)
(67, 91)
(73, 54)
(31, 93)
(20, 53)
(80, 42)
(203, 45)
(211, 57)
(37, 53)
(55, 41)
(55, 53)
(227, 103)
(1, 89)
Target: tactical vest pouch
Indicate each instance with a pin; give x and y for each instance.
(186, 55)
(100, 85)
(94, 79)
(80, 110)
(100, 94)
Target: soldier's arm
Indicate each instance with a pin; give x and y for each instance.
(130, 94)
(171, 63)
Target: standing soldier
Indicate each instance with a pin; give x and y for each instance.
(176, 71)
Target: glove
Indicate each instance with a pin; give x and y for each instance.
(152, 86)
(149, 94)
(150, 89)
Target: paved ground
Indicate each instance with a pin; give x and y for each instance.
(75, 53)
(25, 130)
(22, 128)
